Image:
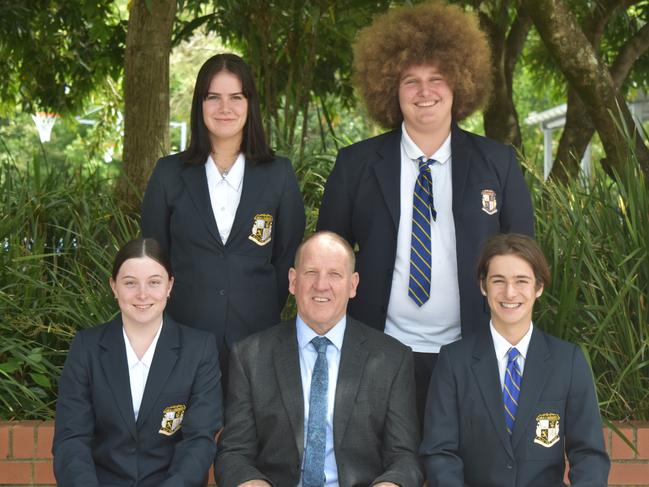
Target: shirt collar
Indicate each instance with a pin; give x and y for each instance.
(234, 178)
(147, 358)
(502, 346)
(441, 155)
(305, 334)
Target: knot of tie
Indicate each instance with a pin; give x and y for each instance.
(320, 344)
(424, 163)
(512, 354)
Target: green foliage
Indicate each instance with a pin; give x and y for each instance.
(59, 230)
(597, 242)
(56, 52)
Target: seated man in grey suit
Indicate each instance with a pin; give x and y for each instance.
(321, 400)
(505, 407)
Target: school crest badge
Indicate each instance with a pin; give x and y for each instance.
(172, 419)
(547, 429)
(489, 203)
(262, 229)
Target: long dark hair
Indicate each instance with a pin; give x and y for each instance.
(253, 143)
(141, 247)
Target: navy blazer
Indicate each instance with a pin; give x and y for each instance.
(466, 443)
(240, 287)
(98, 442)
(361, 202)
(374, 426)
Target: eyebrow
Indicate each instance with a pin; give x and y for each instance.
(217, 93)
(133, 277)
(518, 276)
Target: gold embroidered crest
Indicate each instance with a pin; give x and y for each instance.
(172, 418)
(489, 203)
(262, 229)
(547, 429)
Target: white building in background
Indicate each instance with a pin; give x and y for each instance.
(555, 118)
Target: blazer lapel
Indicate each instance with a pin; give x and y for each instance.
(287, 370)
(114, 364)
(253, 186)
(164, 360)
(461, 154)
(350, 372)
(196, 182)
(388, 174)
(485, 370)
(534, 378)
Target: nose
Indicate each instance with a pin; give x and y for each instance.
(224, 105)
(510, 290)
(141, 291)
(321, 282)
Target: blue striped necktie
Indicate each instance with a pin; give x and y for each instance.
(316, 436)
(511, 389)
(420, 258)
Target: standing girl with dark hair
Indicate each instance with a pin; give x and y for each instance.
(228, 211)
(139, 397)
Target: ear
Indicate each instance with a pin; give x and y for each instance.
(113, 286)
(482, 289)
(292, 274)
(171, 285)
(539, 291)
(355, 280)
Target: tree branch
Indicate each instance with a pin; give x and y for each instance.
(628, 55)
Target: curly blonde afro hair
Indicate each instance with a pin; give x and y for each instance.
(429, 33)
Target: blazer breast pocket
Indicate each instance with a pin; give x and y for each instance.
(545, 434)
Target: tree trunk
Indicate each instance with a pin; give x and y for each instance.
(146, 95)
(578, 61)
(579, 129)
(500, 117)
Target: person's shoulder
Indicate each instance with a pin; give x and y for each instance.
(191, 335)
(255, 344)
(169, 166)
(372, 144)
(378, 339)
(558, 346)
(92, 336)
(484, 144)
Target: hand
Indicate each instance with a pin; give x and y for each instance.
(261, 483)
(385, 484)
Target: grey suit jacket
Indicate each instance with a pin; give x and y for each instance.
(466, 443)
(375, 424)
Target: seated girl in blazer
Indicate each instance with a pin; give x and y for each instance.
(140, 396)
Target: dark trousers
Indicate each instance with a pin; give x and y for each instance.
(424, 365)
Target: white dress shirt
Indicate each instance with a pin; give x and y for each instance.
(308, 356)
(138, 370)
(426, 328)
(502, 347)
(225, 193)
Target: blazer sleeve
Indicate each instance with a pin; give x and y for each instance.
(155, 211)
(589, 463)
(194, 454)
(517, 214)
(236, 459)
(75, 421)
(337, 206)
(401, 430)
(439, 449)
(289, 231)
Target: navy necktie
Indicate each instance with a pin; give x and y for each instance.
(420, 257)
(511, 389)
(316, 437)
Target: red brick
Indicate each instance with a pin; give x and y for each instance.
(4, 441)
(44, 440)
(23, 440)
(643, 442)
(619, 449)
(629, 474)
(44, 473)
(15, 473)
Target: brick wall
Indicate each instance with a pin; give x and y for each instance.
(26, 459)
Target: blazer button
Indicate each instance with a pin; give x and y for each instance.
(222, 292)
(509, 466)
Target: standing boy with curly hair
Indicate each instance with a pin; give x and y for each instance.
(419, 201)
